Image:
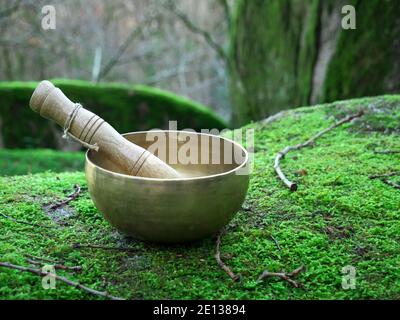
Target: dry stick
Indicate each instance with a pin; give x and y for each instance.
(281, 154)
(283, 275)
(71, 197)
(387, 152)
(25, 222)
(276, 242)
(42, 259)
(63, 279)
(387, 181)
(207, 37)
(385, 175)
(391, 183)
(222, 265)
(56, 266)
(274, 117)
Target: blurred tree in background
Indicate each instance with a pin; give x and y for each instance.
(288, 53)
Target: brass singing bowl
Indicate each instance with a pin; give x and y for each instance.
(171, 210)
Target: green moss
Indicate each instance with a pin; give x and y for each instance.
(128, 108)
(338, 217)
(24, 161)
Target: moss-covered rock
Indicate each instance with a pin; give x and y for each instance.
(128, 108)
(287, 53)
(338, 217)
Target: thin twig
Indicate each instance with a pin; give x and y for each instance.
(71, 197)
(25, 222)
(119, 53)
(9, 11)
(227, 11)
(276, 242)
(274, 117)
(222, 265)
(284, 276)
(385, 175)
(387, 152)
(281, 154)
(391, 183)
(60, 278)
(43, 259)
(56, 266)
(197, 30)
(95, 246)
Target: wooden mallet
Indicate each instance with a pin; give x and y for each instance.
(95, 133)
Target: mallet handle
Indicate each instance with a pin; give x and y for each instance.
(51, 103)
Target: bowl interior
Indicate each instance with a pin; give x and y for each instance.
(192, 154)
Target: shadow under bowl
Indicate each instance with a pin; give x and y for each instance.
(172, 210)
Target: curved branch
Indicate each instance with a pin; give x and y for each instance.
(120, 51)
(227, 10)
(197, 30)
(63, 279)
(222, 265)
(281, 154)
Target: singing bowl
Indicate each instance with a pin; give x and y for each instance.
(171, 210)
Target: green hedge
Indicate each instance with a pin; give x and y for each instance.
(26, 161)
(126, 107)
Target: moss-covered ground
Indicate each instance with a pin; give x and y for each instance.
(338, 217)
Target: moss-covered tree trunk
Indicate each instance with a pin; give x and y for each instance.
(367, 60)
(287, 53)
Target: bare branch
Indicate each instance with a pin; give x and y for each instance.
(56, 266)
(42, 259)
(281, 154)
(197, 30)
(24, 222)
(71, 197)
(60, 278)
(223, 266)
(227, 10)
(391, 183)
(10, 10)
(121, 50)
(276, 242)
(387, 152)
(385, 175)
(284, 276)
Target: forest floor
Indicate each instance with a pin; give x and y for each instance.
(337, 218)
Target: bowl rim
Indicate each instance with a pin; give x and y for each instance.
(122, 175)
